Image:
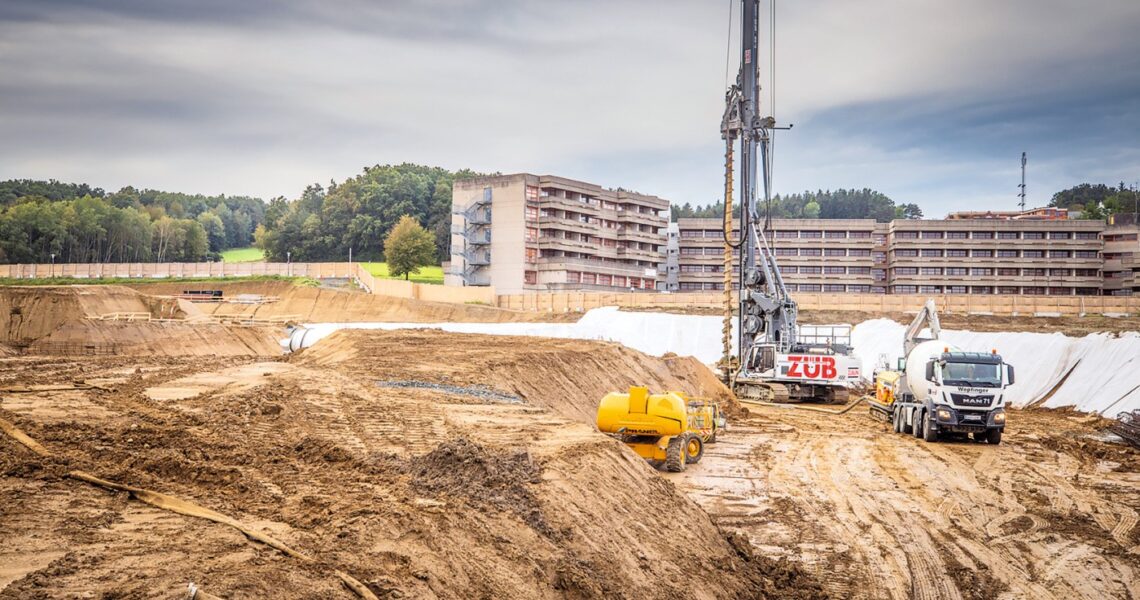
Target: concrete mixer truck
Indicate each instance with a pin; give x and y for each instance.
(938, 389)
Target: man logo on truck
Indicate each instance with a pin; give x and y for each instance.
(812, 367)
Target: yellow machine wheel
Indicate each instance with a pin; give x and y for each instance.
(694, 450)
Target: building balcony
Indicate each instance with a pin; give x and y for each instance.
(559, 263)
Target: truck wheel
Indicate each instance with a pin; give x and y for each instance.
(897, 420)
(993, 436)
(916, 424)
(694, 450)
(928, 432)
(675, 454)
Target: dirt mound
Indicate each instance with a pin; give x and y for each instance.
(568, 376)
(321, 305)
(31, 312)
(65, 321)
(413, 494)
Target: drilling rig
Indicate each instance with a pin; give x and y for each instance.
(775, 360)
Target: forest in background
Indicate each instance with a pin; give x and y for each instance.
(81, 223)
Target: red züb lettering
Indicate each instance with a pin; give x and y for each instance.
(812, 367)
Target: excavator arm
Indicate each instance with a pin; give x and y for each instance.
(927, 317)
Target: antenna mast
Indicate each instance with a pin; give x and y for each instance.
(1022, 186)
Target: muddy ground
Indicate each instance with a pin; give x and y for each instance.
(1049, 513)
(421, 481)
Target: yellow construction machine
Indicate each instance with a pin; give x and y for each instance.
(668, 429)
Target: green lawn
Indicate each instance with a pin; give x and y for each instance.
(432, 274)
(240, 255)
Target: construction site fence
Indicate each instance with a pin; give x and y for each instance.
(558, 302)
(316, 270)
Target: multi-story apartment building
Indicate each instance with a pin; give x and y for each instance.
(1122, 256)
(815, 255)
(983, 256)
(1038, 257)
(528, 232)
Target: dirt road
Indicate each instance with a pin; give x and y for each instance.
(1050, 513)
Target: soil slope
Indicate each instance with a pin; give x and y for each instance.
(419, 492)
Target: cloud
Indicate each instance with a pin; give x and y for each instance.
(927, 101)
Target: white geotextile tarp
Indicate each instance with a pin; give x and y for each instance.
(1103, 370)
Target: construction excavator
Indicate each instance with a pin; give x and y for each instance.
(776, 359)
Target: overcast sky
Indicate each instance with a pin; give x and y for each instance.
(928, 101)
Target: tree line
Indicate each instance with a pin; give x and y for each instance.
(821, 204)
(1097, 201)
(326, 223)
(79, 223)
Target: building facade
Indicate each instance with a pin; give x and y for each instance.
(953, 256)
(528, 232)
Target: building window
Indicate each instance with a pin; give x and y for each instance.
(1007, 235)
(792, 287)
(957, 271)
(530, 277)
(811, 234)
(1060, 291)
(983, 253)
(1060, 235)
(1033, 235)
(981, 289)
(1059, 254)
(931, 270)
(787, 235)
(1060, 272)
(531, 255)
(1086, 273)
(833, 287)
(955, 289)
(809, 287)
(1007, 272)
(1007, 289)
(486, 194)
(905, 271)
(931, 252)
(834, 252)
(1033, 272)
(1085, 253)
(835, 234)
(859, 234)
(1087, 235)
(859, 270)
(1084, 291)
(982, 235)
(811, 252)
(859, 289)
(1033, 254)
(531, 234)
(792, 270)
(879, 257)
(904, 289)
(589, 278)
(982, 272)
(906, 235)
(605, 280)
(531, 193)
(811, 270)
(957, 235)
(573, 277)
(618, 281)
(787, 252)
(835, 270)
(932, 235)
(907, 252)
(858, 252)
(1007, 253)
(955, 253)
(879, 274)
(930, 289)
(531, 213)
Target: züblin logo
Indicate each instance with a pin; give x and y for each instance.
(812, 367)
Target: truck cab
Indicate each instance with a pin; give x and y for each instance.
(960, 393)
